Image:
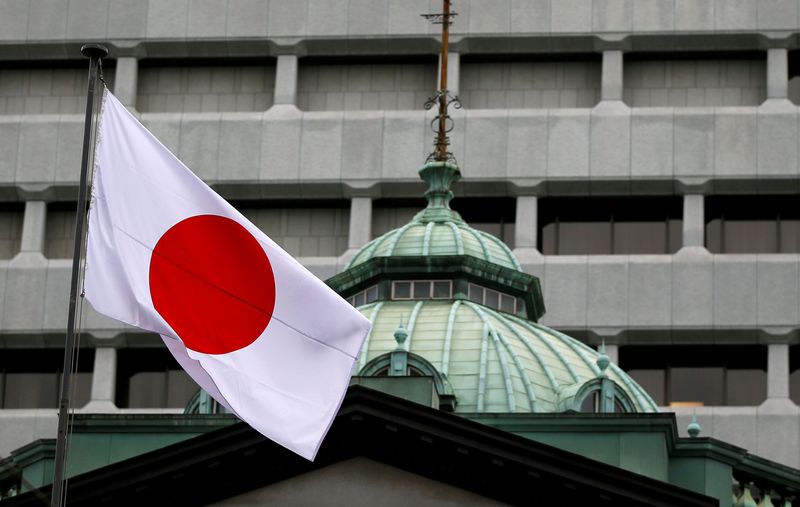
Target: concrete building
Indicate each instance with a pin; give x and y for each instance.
(639, 157)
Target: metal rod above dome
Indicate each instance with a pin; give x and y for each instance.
(442, 124)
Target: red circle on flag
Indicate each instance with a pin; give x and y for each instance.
(213, 284)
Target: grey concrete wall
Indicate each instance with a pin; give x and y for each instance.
(691, 290)
(695, 83)
(304, 232)
(525, 146)
(164, 19)
(725, 298)
(360, 87)
(509, 85)
(191, 89)
(45, 90)
(504, 150)
(769, 431)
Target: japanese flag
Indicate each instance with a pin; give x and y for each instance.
(252, 327)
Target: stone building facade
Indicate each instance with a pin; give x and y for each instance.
(640, 157)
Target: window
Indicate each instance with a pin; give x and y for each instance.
(151, 378)
(495, 216)
(606, 225)
(364, 297)
(422, 289)
(206, 86)
(304, 228)
(353, 83)
(697, 375)
(492, 298)
(591, 404)
(47, 87)
(530, 81)
(11, 215)
(753, 224)
(60, 230)
(31, 378)
(694, 79)
(794, 373)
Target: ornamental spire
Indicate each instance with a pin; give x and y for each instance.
(442, 124)
(440, 170)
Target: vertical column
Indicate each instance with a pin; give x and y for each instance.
(526, 222)
(777, 73)
(286, 80)
(453, 73)
(611, 75)
(777, 370)
(126, 80)
(104, 379)
(34, 223)
(694, 223)
(360, 222)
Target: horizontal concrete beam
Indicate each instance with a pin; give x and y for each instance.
(691, 290)
(752, 428)
(287, 20)
(733, 295)
(284, 146)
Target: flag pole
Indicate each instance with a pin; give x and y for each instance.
(94, 52)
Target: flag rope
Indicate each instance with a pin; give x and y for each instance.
(82, 279)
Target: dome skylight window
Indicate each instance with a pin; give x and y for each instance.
(422, 289)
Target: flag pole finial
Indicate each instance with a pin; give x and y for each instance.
(94, 50)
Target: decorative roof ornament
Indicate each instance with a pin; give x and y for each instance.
(694, 427)
(400, 334)
(398, 358)
(441, 169)
(602, 361)
(442, 124)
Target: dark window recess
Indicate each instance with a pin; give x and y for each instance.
(794, 373)
(610, 225)
(31, 378)
(494, 215)
(753, 224)
(151, 378)
(697, 375)
(364, 297)
(591, 404)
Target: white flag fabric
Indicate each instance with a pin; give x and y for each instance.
(255, 329)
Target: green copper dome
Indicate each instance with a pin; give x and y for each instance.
(495, 361)
(450, 302)
(437, 230)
